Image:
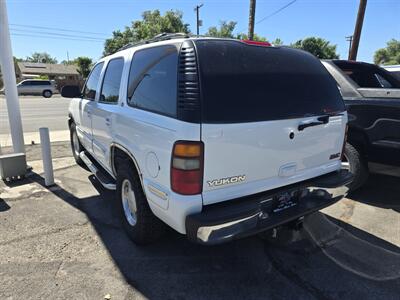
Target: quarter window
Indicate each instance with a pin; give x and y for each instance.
(89, 92)
(153, 80)
(112, 81)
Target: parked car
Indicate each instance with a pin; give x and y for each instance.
(372, 97)
(46, 88)
(217, 138)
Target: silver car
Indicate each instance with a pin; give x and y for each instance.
(46, 88)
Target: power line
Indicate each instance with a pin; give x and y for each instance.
(55, 37)
(56, 34)
(57, 29)
(274, 13)
(277, 11)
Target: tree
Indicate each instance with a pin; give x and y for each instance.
(41, 57)
(277, 42)
(318, 47)
(389, 55)
(225, 29)
(152, 23)
(243, 36)
(84, 65)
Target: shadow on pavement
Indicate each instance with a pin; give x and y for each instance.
(328, 260)
(381, 191)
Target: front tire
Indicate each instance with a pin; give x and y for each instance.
(141, 225)
(76, 145)
(47, 94)
(357, 165)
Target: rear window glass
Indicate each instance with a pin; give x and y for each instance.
(246, 83)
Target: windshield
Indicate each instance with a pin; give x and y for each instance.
(247, 83)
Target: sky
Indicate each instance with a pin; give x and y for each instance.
(96, 19)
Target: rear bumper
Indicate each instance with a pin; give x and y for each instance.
(245, 216)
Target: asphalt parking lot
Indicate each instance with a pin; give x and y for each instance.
(37, 111)
(65, 242)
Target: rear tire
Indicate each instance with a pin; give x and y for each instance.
(138, 221)
(47, 93)
(357, 165)
(76, 145)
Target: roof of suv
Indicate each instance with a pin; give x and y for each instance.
(164, 39)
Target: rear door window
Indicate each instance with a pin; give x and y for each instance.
(152, 81)
(112, 81)
(89, 91)
(247, 83)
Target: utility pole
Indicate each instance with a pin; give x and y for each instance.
(252, 14)
(350, 40)
(198, 21)
(10, 84)
(357, 30)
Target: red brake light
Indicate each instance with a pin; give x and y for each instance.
(265, 44)
(187, 167)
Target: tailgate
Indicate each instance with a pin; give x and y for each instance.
(244, 159)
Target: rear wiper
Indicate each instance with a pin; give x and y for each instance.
(321, 121)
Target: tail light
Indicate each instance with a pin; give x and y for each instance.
(187, 167)
(344, 142)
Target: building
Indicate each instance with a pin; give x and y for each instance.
(62, 74)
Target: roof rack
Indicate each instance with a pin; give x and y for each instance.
(159, 37)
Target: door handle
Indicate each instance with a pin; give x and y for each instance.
(89, 113)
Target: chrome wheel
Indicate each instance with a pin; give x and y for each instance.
(75, 143)
(128, 202)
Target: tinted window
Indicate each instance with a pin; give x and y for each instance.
(368, 75)
(153, 80)
(112, 81)
(26, 83)
(89, 92)
(247, 83)
(43, 82)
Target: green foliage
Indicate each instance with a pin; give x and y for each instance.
(243, 36)
(84, 65)
(318, 47)
(42, 57)
(43, 77)
(389, 55)
(225, 29)
(277, 42)
(152, 23)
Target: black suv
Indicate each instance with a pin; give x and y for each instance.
(372, 98)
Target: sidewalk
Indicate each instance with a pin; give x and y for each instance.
(65, 242)
(29, 137)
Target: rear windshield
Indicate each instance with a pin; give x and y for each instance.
(247, 83)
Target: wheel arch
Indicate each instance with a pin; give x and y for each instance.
(117, 148)
(359, 140)
(70, 120)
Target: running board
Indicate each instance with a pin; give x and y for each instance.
(106, 180)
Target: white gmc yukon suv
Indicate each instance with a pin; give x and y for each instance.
(217, 138)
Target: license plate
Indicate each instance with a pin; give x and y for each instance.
(284, 201)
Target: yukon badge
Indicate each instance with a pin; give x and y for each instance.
(227, 180)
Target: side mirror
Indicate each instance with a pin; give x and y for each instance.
(71, 91)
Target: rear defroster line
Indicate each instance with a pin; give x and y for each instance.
(350, 252)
